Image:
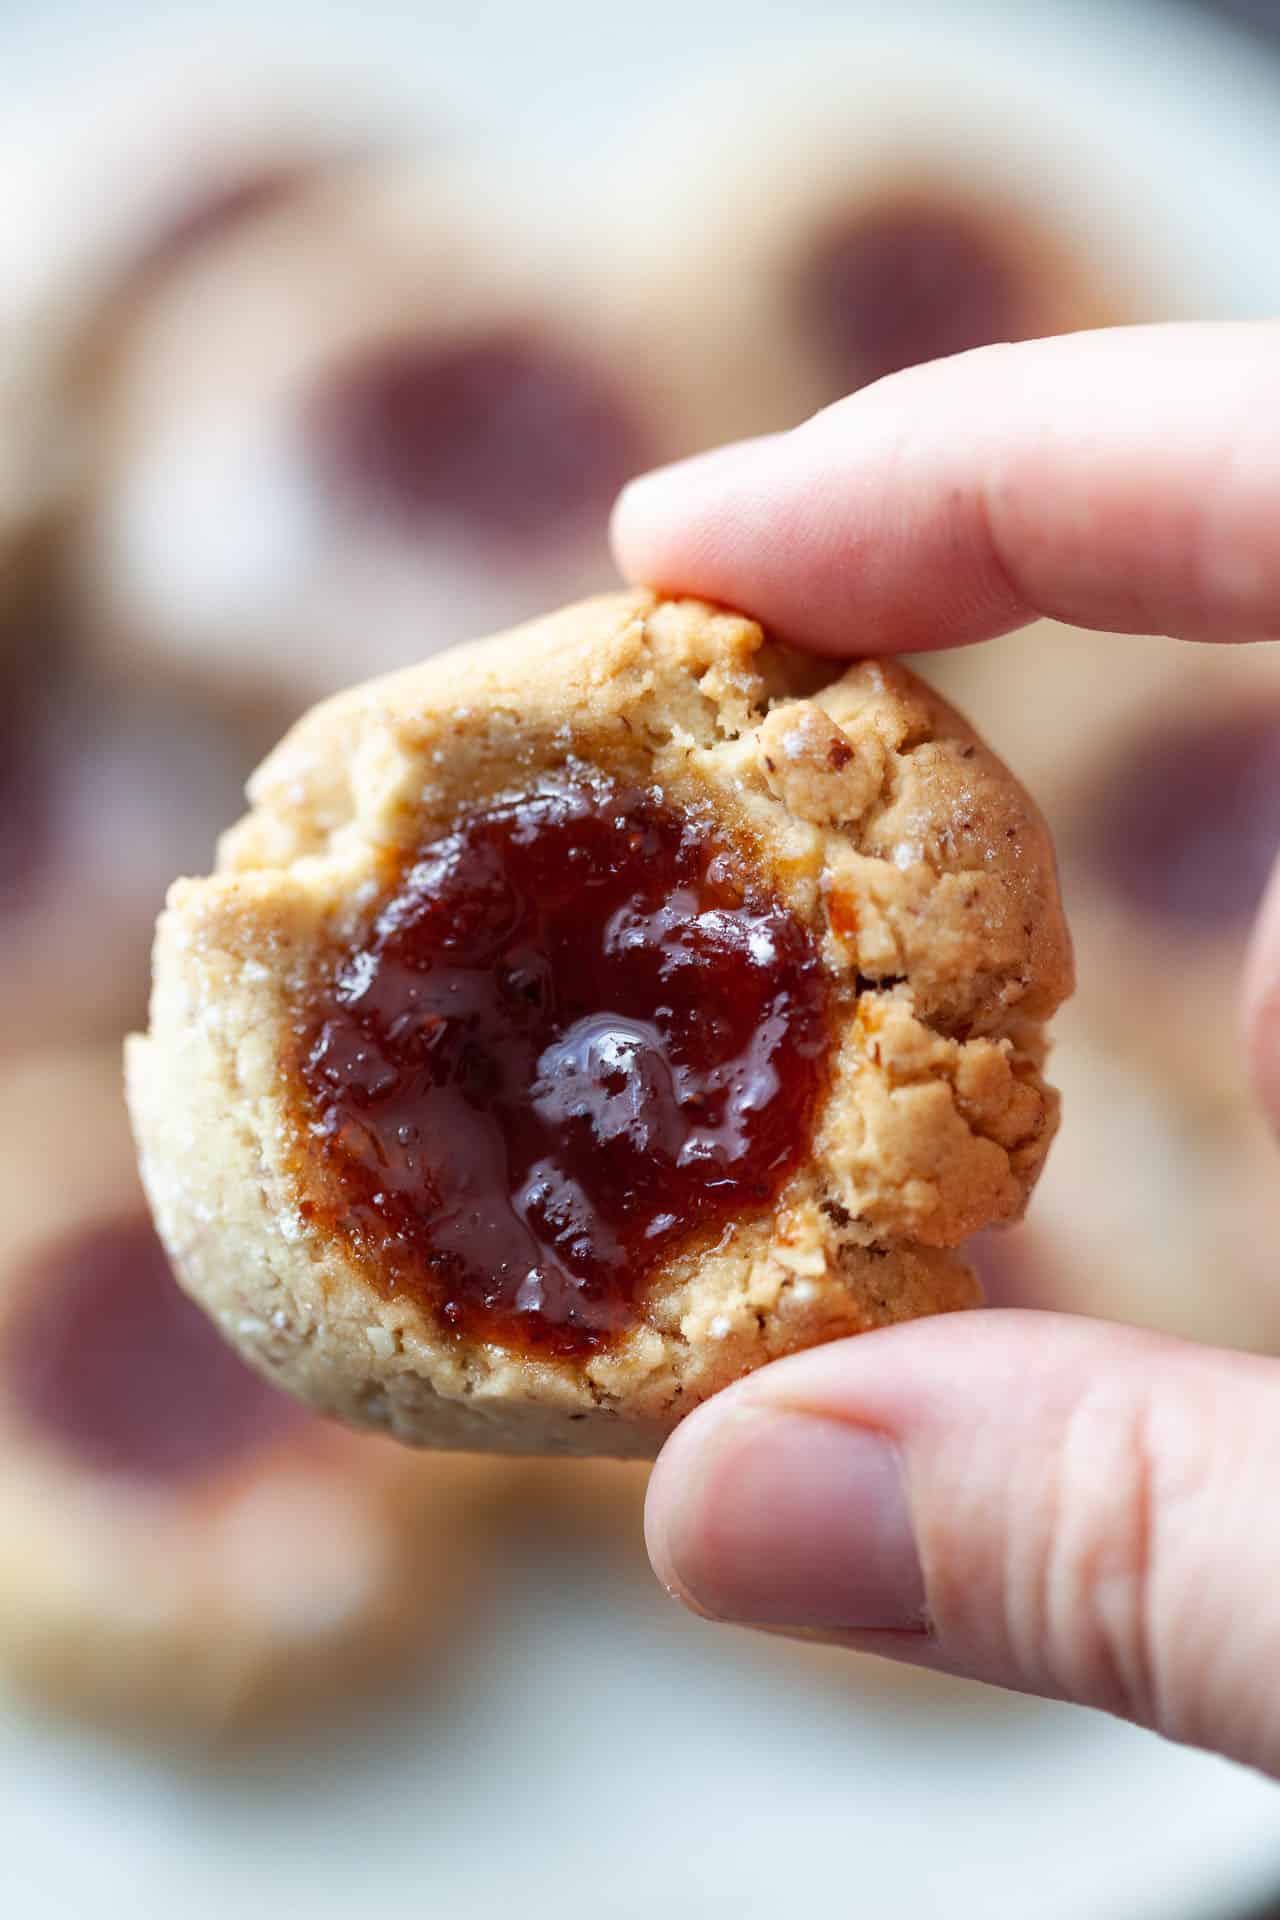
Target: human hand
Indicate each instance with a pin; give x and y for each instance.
(1067, 1508)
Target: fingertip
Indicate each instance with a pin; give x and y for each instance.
(630, 525)
(673, 528)
(673, 1494)
(772, 1517)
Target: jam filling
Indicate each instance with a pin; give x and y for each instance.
(114, 1364)
(1187, 827)
(912, 283)
(502, 437)
(572, 1044)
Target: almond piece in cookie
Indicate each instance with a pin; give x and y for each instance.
(591, 1014)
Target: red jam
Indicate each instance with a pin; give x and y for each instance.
(911, 283)
(503, 437)
(1187, 826)
(571, 1044)
(114, 1364)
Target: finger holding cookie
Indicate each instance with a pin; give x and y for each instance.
(1062, 1507)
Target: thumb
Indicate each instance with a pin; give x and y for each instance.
(1070, 1509)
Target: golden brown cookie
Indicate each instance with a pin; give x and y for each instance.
(588, 1015)
(844, 217)
(180, 1546)
(383, 415)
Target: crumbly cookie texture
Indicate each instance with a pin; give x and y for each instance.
(922, 870)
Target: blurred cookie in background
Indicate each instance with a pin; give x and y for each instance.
(113, 174)
(109, 788)
(1167, 842)
(109, 179)
(110, 783)
(840, 219)
(1154, 1212)
(580, 1505)
(181, 1548)
(37, 487)
(1157, 764)
(376, 418)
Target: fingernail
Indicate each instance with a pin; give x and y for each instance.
(785, 1519)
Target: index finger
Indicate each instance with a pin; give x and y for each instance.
(1126, 480)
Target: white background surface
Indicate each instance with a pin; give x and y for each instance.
(590, 1751)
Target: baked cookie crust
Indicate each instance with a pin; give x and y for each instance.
(922, 872)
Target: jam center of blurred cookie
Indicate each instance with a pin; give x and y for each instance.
(117, 1368)
(500, 439)
(908, 284)
(575, 1042)
(1187, 828)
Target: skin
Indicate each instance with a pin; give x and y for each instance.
(1070, 1509)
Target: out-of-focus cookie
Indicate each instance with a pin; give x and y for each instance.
(110, 182)
(113, 174)
(180, 1547)
(1158, 766)
(1183, 1220)
(38, 486)
(108, 787)
(381, 418)
(587, 1016)
(844, 216)
(580, 1504)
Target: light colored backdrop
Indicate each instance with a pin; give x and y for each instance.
(592, 1752)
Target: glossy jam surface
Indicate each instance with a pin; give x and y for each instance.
(1187, 827)
(501, 438)
(112, 1362)
(911, 283)
(571, 1043)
